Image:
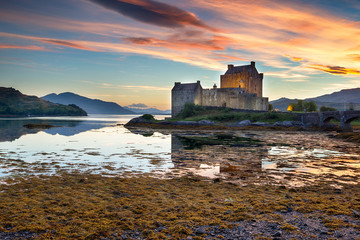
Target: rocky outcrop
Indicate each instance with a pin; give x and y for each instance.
(207, 123)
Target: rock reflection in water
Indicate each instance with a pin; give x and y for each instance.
(216, 161)
(268, 161)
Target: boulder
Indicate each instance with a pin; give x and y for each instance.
(289, 124)
(261, 124)
(139, 120)
(244, 123)
(187, 123)
(205, 122)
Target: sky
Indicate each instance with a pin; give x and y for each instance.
(132, 51)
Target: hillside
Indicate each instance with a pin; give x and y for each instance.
(91, 106)
(340, 100)
(346, 95)
(14, 103)
(153, 111)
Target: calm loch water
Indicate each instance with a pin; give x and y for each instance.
(100, 144)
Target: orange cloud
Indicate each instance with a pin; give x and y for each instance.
(214, 43)
(354, 57)
(296, 59)
(66, 44)
(27, 47)
(336, 70)
(224, 57)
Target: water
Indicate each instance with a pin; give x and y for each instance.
(101, 144)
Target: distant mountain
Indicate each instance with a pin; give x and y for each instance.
(147, 110)
(340, 100)
(91, 106)
(346, 95)
(14, 103)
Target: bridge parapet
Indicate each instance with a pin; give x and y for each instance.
(321, 119)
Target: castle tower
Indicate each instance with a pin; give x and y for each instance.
(246, 77)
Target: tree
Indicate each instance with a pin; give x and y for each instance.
(327, 109)
(271, 107)
(310, 106)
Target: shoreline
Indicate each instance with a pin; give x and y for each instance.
(86, 206)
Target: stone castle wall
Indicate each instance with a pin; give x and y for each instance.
(180, 97)
(233, 98)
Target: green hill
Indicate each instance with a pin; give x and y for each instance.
(14, 103)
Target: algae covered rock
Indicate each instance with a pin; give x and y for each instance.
(187, 123)
(206, 122)
(244, 123)
(289, 124)
(146, 118)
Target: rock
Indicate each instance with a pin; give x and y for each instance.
(261, 124)
(356, 213)
(201, 230)
(277, 234)
(205, 122)
(228, 212)
(165, 122)
(289, 124)
(187, 123)
(139, 120)
(243, 123)
(278, 124)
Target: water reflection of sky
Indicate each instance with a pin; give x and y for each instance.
(98, 144)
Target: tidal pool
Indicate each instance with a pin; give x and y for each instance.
(100, 144)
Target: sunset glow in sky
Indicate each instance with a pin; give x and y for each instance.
(132, 51)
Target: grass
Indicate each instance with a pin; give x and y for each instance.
(82, 206)
(226, 115)
(355, 123)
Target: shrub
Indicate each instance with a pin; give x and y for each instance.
(327, 109)
(148, 117)
(190, 109)
(271, 107)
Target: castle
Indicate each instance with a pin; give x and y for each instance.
(240, 88)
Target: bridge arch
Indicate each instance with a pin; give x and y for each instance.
(327, 119)
(349, 120)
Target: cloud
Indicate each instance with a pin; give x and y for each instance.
(354, 57)
(151, 88)
(264, 31)
(154, 12)
(296, 59)
(66, 44)
(178, 41)
(138, 105)
(27, 47)
(336, 70)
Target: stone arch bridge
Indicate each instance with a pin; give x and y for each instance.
(322, 119)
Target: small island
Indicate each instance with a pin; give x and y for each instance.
(15, 104)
